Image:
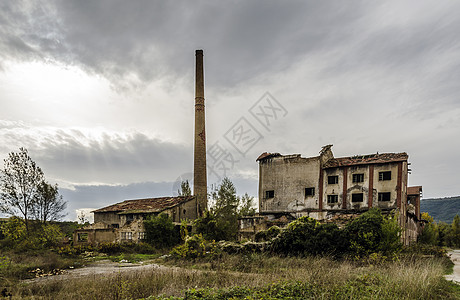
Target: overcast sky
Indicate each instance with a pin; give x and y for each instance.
(101, 93)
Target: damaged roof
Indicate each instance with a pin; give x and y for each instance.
(148, 205)
(366, 159)
(267, 155)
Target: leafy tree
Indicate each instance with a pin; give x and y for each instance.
(455, 233)
(246, 206)
(20, 185)
(372, 232)
(391, 235)
(443, 233)
(221, 221)
(185, 189)
(209, 227)
(161, 232)
(226, 209)
(430, 233)
(49, 205)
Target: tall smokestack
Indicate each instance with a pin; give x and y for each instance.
(199, 169)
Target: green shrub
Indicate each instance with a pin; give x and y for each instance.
(306, 236)
(195, 246)
(210, 227)
(109, 248)
(266, 235)
(373, 233)
(161, 232)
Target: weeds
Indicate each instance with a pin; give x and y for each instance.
(258, 276)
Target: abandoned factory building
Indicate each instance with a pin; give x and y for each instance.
(123, 222)
(328, 188)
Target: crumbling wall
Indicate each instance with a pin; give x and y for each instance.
(288, 177)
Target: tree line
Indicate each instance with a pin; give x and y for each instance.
(440, 233)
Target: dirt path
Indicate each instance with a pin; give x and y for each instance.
(455, 257)
(102, 267)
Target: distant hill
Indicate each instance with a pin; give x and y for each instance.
(441, 209)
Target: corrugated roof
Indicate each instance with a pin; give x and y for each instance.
(147, 205)
(366, 159)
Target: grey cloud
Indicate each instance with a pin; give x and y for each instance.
(97, 196)
(111, 159)
(154, 39)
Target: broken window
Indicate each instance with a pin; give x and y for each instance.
(332, 179)
(386, 175)
(82, 237)
(358, 178)
(269, 194)
(385, 196)
(309, 191)
(331, 199)
(129, 217)
(115, 225)
(126, 235)
(358, 197)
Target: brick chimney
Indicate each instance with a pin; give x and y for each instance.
(199, 169)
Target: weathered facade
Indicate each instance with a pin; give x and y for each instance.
(123, 222)
(323, 187)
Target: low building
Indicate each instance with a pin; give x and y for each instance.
(323, 187)
(123, 222)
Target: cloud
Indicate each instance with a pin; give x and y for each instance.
(366, 77)
(97, 196)
(74, 157)
(150, 40)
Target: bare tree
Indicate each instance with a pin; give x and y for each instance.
(20, 183)
(49, 205)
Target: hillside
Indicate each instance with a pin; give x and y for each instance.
(441, 209)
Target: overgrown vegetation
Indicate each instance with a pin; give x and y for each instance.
(161, 232)
(220, 222)
(440, 234)
(259, 276)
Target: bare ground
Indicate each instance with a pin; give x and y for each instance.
(455, 257)
(104, 267)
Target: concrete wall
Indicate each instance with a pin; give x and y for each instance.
(288, 176)
(107, 218)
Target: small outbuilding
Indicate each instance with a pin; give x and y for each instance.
(123, 222)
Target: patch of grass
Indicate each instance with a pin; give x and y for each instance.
(17, 266)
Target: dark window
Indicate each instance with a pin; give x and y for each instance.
(269, 194)
(309, 192)
(115, 225)
(333, 179)
(129, 217)
(384, 196)
(358, 178)
(331, 199)
(82, 237)
(357, 197)
(386, 175)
